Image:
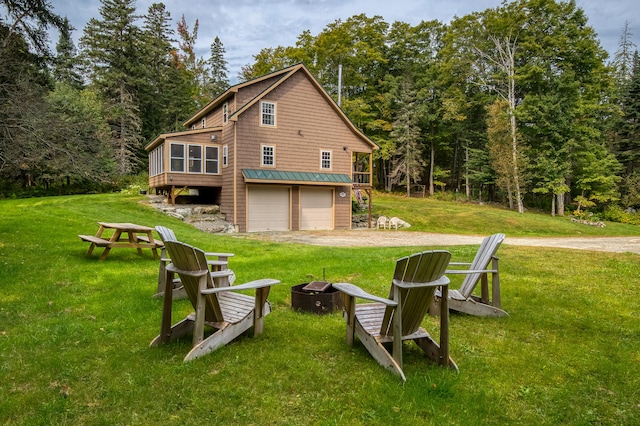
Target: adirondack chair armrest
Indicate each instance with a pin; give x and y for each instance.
(265, 282)
(355, 291)
(211, 254)
(471, 271)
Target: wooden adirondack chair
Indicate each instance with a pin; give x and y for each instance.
(218, 262)
(225, 310)
(484, 263)
(398, 318)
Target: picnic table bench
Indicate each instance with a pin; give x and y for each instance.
(137, 236)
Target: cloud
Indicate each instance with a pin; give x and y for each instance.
(247, 26)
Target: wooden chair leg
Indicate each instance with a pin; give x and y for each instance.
(349, 304)
(397, 327)
(444, 326)
(167, 306)
(495, 284)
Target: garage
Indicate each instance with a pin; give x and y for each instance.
(316, 208)
(268, 208)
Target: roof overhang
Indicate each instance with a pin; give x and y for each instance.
(160, 138)
(296, 178)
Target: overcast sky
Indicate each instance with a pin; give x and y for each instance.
(247, 26)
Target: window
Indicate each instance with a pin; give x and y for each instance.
(177, 157)
(195, 159)
(225, 156)
(225, 113)
(325, 160)
(156, 161)
(204, 122)
(268, 155)
(268, 116)
(211, 160)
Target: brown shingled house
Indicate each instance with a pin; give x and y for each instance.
(276, 153)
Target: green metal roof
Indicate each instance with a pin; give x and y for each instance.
(277, 175)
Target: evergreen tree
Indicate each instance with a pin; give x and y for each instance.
(110, 47)
(628, 141)
(194, 66)
(218, 81)
(624, 56)
(408, 162)
(30, 19)
(66, 64)
(158, 79)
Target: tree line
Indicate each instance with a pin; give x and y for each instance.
(517, 104)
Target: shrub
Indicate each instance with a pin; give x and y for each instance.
(615, 213)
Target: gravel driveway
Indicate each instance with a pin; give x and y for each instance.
(393, 238)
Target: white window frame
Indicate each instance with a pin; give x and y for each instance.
(225, 155)
(268, 118)
(269, 157)
(225, 113)
(192, 159)
(156, 161)
(172, 158)
(326, 157)
(204, 122)
(215, 160)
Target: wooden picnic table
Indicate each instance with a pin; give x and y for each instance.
(137, 236)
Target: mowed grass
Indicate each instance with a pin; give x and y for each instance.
(74, 331)
(431, 215)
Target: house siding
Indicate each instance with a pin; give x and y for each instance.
(298, 139)
(307, 123)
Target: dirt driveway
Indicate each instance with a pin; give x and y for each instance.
(393, 238)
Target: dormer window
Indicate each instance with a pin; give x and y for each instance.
(268, 114)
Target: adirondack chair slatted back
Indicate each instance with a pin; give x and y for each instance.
(166, 234)
(415, 297)
(486, 252)
(191, 259)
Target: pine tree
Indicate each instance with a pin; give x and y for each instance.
(218, 80)
(156, 84)
(195, 67)
(110, 47)
(66, 63)
(407, 163)
(627, 144)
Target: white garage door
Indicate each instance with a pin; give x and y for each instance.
(316, 208)
(269, 208)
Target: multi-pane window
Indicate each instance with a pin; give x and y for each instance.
(325, 160)
(177, 157)
(195, 158)
(225, 113)
(204, 122)
(156, 161)
(211, 160)
(225, 156)
(189, 158)
(268, 155)
(268, 116)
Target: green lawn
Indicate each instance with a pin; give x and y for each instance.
(74, 331)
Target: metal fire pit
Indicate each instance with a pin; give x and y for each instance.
(318, 297)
